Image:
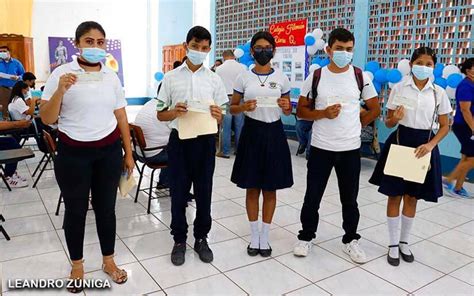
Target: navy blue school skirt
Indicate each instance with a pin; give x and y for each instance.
(263, 157)
(431, 190)
(464, 133)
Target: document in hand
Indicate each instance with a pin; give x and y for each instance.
(126, 184)
(267, 102)
(84, 77)
(6, 76)
(196, 123)
(402, 163)
(408, 103)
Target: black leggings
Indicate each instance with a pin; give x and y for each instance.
(80, 171)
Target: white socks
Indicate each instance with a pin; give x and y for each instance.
(393, 223)
(255, 236)
(407, 223)
(264, 245)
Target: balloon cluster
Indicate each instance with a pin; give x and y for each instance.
(448, 77)
(317, 63)
(314, 41)
(242, 52)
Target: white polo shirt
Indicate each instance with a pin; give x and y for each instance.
(229, 71)
(422, 116)
(343, 132)
(156, 132)
(182, 84)
(87, 110)
(17, 109)
(276, 84)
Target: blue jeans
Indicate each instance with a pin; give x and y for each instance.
(227, 131)
(160, 158)
(7, 143)
(303, 133)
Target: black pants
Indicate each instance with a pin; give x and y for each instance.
(80, 171)
(320, 164)
(7, 143)
(191, 162)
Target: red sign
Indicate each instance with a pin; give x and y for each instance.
(289, 33)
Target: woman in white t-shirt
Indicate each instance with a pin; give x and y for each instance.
(416, 121)
(263, 161)
(88, 99)
(20, 108)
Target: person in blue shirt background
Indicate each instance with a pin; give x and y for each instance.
(9, 65)
(463, 128)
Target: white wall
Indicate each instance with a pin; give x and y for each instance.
(130, 21)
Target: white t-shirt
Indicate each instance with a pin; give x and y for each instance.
(276, 84)
(87, 110)
(343, 132)
(156, 132)
(422, 116)
(182, 84)
(229, 71)
(17, 108)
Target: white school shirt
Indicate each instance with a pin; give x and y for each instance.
(343, 132)
(17, 108)
(422, 116)
(276, 85)
(87, 109)
(229, 71)
(156, 132)
(181, 85)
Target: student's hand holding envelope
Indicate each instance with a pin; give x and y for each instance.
(333, 111)
(216, 112)
(284, 104)
(249, 106)
(399, 113)
(423, 150)
(66, 81)
(180, 109)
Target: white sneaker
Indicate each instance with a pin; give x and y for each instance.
(302, 248)
(15, 183)
(355, 252)
(16, 176)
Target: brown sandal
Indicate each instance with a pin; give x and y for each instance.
(118, 276)
(77, 282)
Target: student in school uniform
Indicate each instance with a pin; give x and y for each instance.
(191, 161)
(463, 128)
(92, 126)
(263, 161)
(21, 107)
(415, 129)
(331, 98)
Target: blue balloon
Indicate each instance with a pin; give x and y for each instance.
(378, 86)
(159, 76)
(309, 40)
(324, 62)
(372, 66)
(394, 76)
(246, 47)
(441, 82)
(316, 60)
(454, 80)
(438, 70)
(381, 76)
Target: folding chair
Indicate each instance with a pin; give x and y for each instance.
(139, 144)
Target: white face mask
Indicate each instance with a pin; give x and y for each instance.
(4, 55)
(196, 57)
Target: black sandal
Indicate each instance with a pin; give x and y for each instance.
(393, 261)
(407, 258)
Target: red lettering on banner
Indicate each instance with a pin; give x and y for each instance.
(289, 33)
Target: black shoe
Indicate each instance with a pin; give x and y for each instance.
(266, 252)
(393, 261)
(407, 258)
(202, 248)
(161, 186)
(177, 254)
(301, 149)
(252, 251)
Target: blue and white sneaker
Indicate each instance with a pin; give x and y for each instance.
(462, 193)
(447, 185)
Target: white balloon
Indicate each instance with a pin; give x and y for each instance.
(312, 49)
(320, 44)
(325, 47)
(313, 68)
(451, 92)
(251, 66)
(238, 52)
(450, 69)
(404, 66)
(318, 33)
(368, 73)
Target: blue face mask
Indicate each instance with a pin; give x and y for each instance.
(342, 58)
(196, 57)
(422, 72)
(93, 54)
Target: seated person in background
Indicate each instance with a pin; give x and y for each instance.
(30, 79)
(20, 108)
(7, 143)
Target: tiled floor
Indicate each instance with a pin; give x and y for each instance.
(443, 243)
